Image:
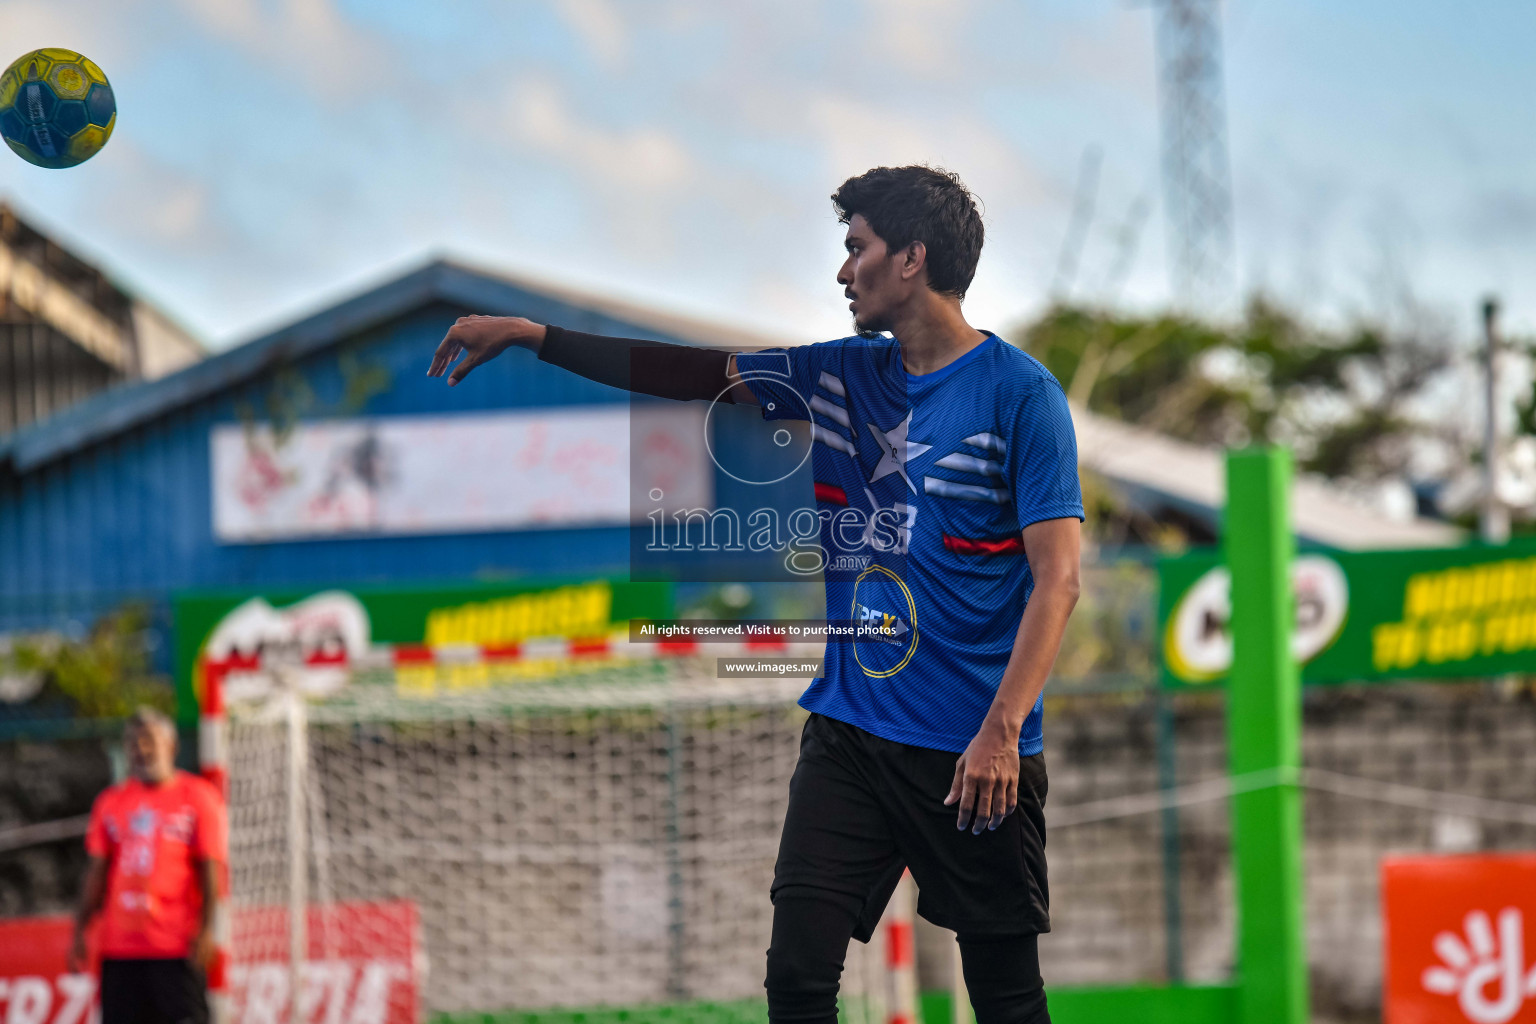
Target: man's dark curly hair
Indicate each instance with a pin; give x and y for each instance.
(919, 204)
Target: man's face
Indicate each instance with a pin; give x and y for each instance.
(871, 278)
(151, 752)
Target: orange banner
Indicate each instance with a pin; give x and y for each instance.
(1460, 936)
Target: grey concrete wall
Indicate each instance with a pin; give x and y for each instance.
(46, 781)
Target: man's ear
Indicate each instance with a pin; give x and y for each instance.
(913, 259)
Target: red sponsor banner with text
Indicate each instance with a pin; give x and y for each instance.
(364, 967)
(35, 984)
(1460, 936)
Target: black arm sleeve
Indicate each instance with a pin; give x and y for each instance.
(680, 372)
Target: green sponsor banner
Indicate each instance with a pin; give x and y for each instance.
(1365, 615)
(349, 618)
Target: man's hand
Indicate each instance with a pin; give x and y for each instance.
(480, 339)
(986, 778)
(204, 950)
(77, 960)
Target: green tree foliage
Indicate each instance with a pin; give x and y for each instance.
(1111, 636)
(106, 674)
(1342, 400)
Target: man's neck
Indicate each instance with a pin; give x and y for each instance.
(934, 334)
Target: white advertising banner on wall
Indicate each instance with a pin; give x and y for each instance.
(398, 475)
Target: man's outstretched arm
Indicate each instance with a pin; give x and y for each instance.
(681, 372)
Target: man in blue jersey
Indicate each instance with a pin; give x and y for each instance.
(945, 469)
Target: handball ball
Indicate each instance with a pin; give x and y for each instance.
(56, 108)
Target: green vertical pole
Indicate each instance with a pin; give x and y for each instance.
(1264, 733)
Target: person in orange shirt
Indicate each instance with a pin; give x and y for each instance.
(157, 842)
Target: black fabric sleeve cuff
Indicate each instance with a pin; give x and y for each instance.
(680, 372)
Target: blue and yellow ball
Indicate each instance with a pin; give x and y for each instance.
(56, 108)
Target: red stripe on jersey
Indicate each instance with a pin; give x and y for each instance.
(831, 492)
(980, 546)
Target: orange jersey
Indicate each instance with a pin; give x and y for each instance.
(152, 838)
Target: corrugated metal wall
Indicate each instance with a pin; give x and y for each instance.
(42, 371)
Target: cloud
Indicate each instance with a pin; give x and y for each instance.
(1502, 216)
(151, 200)
(306, 39)
(94, 28)
(646, 160)
(855, 135)
(599, 26)
(921, 35)
(1114, 50)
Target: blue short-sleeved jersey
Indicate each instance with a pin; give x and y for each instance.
(923, 484)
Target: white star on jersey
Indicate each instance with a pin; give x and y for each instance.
(895, 451)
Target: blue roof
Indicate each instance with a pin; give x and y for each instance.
(123, 408)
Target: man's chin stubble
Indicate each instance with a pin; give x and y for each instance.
(866, 331)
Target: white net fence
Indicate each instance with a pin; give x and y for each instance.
(604, 840)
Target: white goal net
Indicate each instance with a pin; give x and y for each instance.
(598, 839)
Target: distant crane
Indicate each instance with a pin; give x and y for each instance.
(1197, 185)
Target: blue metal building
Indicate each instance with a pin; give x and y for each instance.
(111, 500)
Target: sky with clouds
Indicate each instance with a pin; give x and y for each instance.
(273, 155)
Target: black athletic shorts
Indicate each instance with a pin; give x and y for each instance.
(862, 808)
(153, 992)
